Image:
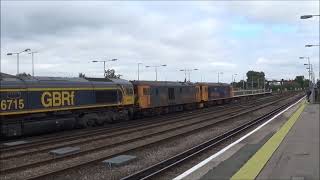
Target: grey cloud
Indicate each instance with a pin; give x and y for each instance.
(23, 19)
(69, 35)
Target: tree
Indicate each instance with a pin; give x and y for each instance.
(111, 73)
(300, 80)
(23, 75)
(239, 85)
(255, 80)
(82, 75)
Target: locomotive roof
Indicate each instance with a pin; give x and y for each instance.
(35, 80)
(108, 80)
(4, 75)
(214, 84)
(162, 83)
(121, 81)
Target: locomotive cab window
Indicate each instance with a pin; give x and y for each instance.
(129, 91)
(146, 91)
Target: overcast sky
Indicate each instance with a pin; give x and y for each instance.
(213, 36)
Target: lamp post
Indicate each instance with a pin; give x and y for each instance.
(219, 76)
(18, 53)
(185, 74)
(243, 83)
(315, 45)
(311, 45)
(156, 69)
(104, 65)
(189, 71)
(139, 70)
(233, 80)
(32, 56)
(309, 68)
(307, 16)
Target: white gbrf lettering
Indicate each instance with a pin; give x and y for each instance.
(57, 98)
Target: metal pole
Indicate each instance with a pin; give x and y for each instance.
(104, 68)
(218, 77)
(232, 79)
(156, 73)
(138, 71)
(309, 72)
(185, 74)
(32, 63)
(18, 63)
(243, 82)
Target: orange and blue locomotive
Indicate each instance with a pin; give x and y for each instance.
(33, 105)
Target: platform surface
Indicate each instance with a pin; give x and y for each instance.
(297, 157)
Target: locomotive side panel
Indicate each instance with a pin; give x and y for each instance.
(41, 100)
(12, 101)
(218, 92)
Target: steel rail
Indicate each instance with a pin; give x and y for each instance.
(162, 166)
(106, 130)
(56, 171)
(61, 158)
(84, 132)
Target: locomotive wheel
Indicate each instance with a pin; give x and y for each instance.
(82, 122)
(94, 120)
(88, 120)
(91, 122)
(99, 121)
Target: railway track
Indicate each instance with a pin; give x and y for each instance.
(124, 126)
(71, 133)
(56, 166)
(72, 141)
(207, 116)
(154, 170)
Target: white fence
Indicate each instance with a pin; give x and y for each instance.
(250, 92)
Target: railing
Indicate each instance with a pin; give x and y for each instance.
(250, 92)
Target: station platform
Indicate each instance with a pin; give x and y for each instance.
(285, 148)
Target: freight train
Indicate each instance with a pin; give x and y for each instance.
(33, 105)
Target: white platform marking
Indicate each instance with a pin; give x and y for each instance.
(194, 168)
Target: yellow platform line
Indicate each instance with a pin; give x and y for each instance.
(254, 165)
